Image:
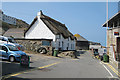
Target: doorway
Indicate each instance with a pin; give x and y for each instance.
(118, 48)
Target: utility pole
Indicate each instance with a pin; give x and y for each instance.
(107, 28)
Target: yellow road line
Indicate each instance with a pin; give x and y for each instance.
(48, 65)
(112, 68)
(15, 74)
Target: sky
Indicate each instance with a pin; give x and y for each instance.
(84, 18)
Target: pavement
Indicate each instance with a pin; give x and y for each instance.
(85, 67)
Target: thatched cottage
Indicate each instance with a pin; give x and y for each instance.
(44, 27)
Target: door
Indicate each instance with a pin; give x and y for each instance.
(118, 48)
(4, 52)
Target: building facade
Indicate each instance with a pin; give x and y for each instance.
(44, 27)
(81, 43)
(95, 47)
(113, 38)
(7, 19)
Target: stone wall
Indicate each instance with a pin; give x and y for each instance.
(72, 54)
(34, 45)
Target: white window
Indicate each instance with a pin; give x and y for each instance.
(59, 44)
(68, 44)
(59, 37)
(62, 43)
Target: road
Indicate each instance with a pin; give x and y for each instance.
(50, 67)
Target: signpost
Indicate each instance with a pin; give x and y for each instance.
(24, 61)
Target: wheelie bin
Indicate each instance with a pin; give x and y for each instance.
(105, 58)
(55, 53)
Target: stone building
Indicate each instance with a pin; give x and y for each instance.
(44, 27)
(113, 38)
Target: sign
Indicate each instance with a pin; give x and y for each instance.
(24, 60)
(116, 33)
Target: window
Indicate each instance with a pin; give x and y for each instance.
(12, 48)
(46, 43)
(0, 47)
(62, 43)
(59, 44)
(71, 46)
(4, 48)
(59, 36)
(68, 44)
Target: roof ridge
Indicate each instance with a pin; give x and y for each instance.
(54, 20)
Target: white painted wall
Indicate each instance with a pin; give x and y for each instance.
(94, 46)
(64, 43)
(39, 31)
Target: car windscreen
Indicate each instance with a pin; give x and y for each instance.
(12, 48)
(11, 40)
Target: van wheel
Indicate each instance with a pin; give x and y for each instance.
(11, 58)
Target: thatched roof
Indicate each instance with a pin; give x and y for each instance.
(55, 26)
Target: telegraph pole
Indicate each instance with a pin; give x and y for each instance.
(107, 28)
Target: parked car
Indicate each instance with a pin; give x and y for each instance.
(10, 52)
(20, 47)
(11, 41)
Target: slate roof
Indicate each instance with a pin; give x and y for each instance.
(112, 19)
(55, 26)
(15, 32)
(94, 43)
(80, 38)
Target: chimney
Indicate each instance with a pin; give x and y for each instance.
(39, 13)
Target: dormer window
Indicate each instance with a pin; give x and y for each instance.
(59, 36)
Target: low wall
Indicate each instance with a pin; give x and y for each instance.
(34, 44)
(72, 54)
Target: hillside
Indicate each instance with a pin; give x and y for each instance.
(19, 24)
